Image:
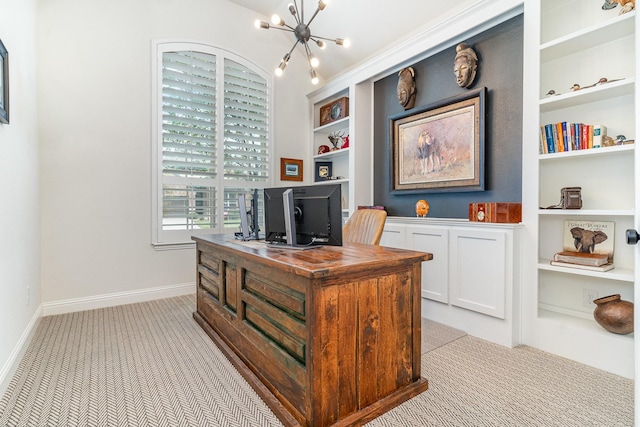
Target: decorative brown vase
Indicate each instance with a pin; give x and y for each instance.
(614, 314)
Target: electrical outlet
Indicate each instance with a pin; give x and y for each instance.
(588, 295)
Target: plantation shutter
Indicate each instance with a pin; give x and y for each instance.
(214, 142)
(189, 163)
(246, 150)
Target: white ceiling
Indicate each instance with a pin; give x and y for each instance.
(372, 26)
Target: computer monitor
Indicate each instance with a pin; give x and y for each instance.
(316, 215)
(249, 227)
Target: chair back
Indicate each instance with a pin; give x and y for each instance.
(364, 226)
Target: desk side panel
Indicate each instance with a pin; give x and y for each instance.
(365, 335)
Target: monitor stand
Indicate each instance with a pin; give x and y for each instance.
(248, 232)
(290, 224)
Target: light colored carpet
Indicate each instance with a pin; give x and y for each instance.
(150, 364)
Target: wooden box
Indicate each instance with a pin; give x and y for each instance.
(335, 110)
(495, 212)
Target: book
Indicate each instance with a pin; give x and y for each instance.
(543, 141)
(565, 136)
(559, 137)
(581, 258)
(549, 135)
(590, 137)
(576, 136)
(605, 267)
(599, 131)
(596, 237)
(583, 136)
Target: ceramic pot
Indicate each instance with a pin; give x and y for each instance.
(614, 314)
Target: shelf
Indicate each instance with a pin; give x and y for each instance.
(565, 320)
(586, 212)
(604, 32)
(333, 126)
(332, 181)
(601, 92)
(332, 154)
(603, 151)
(622, 274)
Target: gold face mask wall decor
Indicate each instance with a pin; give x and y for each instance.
(465, 65)
(406, 91)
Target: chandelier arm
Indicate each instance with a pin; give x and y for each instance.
(297, 14)
(306, 48)
(293, 47)
(314, 37)
(288, 28)
(314, 16)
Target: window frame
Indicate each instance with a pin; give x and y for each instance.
(178, 239)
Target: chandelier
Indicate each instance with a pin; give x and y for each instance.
(303, 35)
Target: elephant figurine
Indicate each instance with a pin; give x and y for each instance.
(586, 240)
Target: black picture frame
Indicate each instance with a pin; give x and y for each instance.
(439, 147)
(324, 171)
(4, 84)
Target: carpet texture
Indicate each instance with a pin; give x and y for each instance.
(150, 364)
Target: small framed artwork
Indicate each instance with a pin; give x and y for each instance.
(4, 84)
(439, 147)
(323, 171)
(290, 169)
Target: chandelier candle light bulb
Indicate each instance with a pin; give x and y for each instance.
(302, 32)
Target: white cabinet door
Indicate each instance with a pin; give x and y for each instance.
(393, 236)
(435, 273)
(478, 279)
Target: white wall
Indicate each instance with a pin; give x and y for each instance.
(95, 121)
(19, 171)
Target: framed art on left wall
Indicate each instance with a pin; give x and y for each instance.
(4, 84)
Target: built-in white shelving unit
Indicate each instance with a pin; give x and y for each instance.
(559, 53)
(350, 166)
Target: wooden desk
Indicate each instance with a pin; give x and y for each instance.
(326, 336)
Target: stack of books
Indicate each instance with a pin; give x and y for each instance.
(586, 261)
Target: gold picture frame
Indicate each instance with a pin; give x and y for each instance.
(440, 147)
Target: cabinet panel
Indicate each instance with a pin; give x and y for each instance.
(393, 236)
(435, 273)
(478, 279)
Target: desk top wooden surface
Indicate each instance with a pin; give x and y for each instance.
(324, 261)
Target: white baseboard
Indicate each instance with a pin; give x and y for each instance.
(11, 365)
(118, 298)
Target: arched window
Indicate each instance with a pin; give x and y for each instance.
(211, 139)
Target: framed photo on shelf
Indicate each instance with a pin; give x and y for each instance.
(439, 147)
(323, 171)
(4, 84)
(290, 169)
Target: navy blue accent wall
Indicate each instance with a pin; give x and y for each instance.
(499, 51)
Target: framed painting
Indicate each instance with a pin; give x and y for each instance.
(290, 169)
(440, 147)
(4, 84)
(323, 171)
